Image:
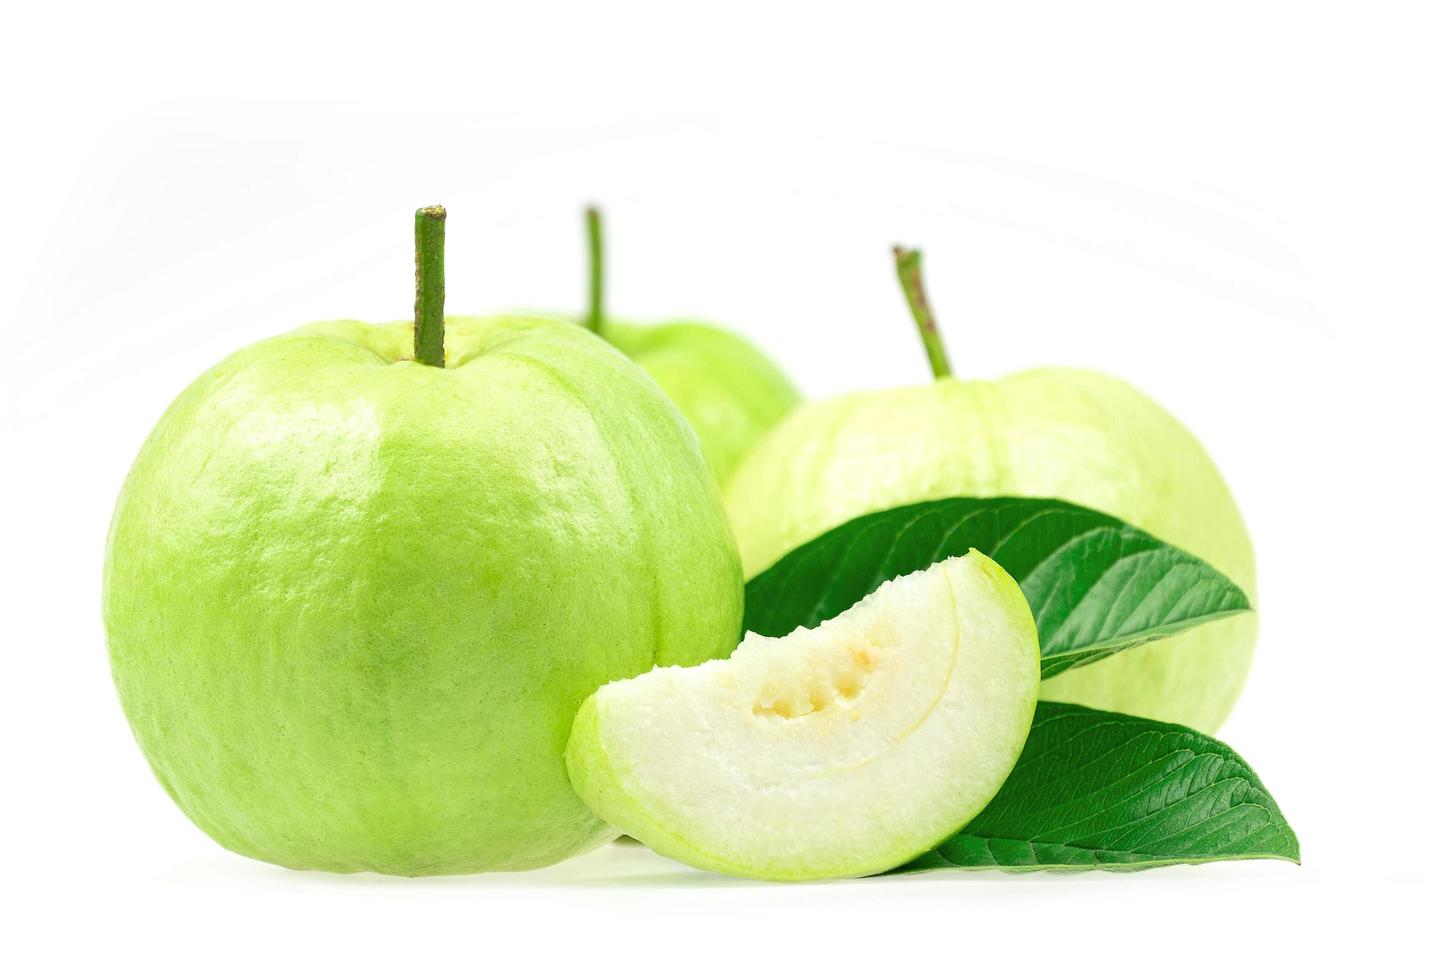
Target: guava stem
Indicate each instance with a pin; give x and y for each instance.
(910, 275)
(428, 332)
(593, 217)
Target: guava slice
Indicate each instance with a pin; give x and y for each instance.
(840, 751)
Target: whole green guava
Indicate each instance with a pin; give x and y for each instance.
(1075, 435)
(353, 601)
(729, 391)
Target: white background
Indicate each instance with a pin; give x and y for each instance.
(1238, 207)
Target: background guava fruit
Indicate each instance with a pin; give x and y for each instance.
(840, 751)
(1076, 435)
(729, 391)
(353, 601)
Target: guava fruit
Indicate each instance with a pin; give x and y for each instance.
(1071, 434)
(354, 598)
(840, 751)
(729, 391)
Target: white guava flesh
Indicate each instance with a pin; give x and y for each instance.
(839, 751)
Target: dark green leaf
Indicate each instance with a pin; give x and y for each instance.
(1093, 789)
(1096, 585)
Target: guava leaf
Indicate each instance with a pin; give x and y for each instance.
(1095, 584)
(1094, 789)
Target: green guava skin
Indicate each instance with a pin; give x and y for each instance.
(730, 392)
(1071, 434)
(353, 602)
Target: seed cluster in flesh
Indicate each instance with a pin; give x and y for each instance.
(832, 690)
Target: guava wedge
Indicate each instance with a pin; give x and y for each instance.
(835, 752)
